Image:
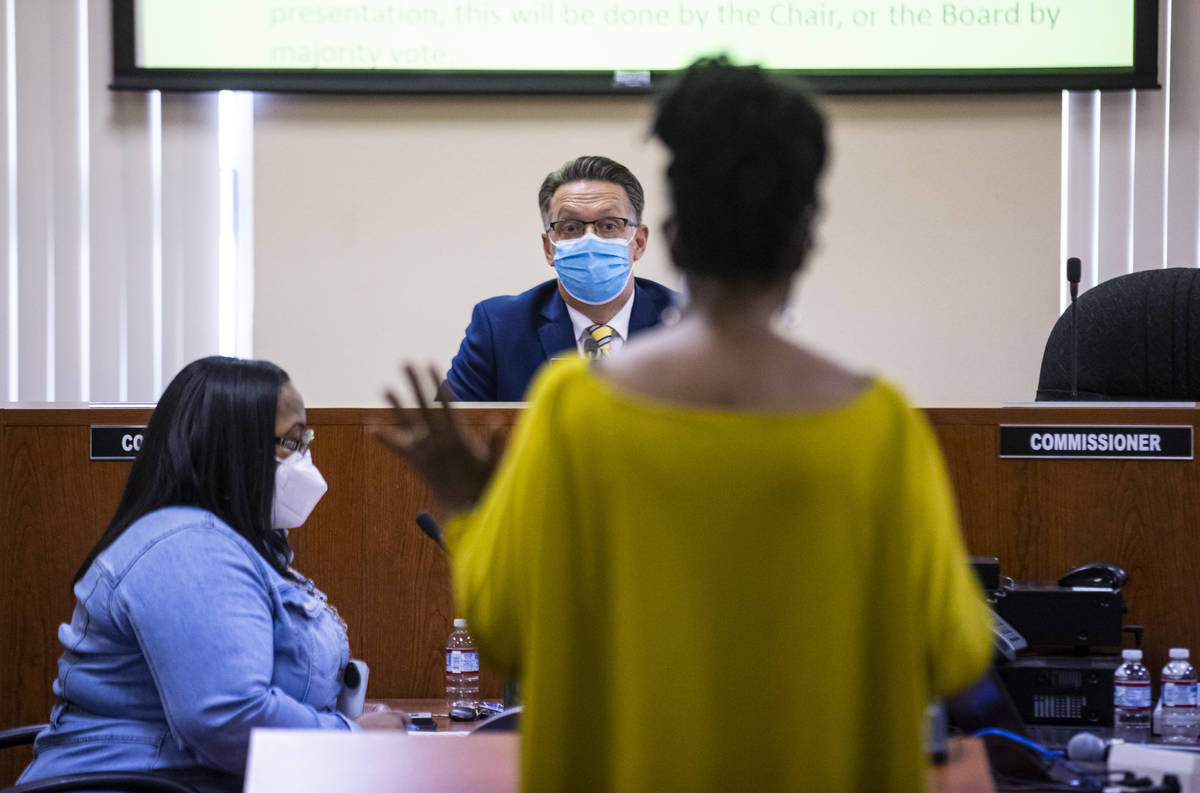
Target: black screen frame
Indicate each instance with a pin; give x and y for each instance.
(127, 76)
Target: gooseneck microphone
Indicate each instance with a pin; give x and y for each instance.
(1074, 268)
(431, 529)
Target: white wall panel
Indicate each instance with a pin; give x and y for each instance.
(237, 254)
(191, 226)
(937, 249)
(380, 221)
(121, 222)
(1149, 162)
(51, 162)
(111, 214)
(1115, 196)
(941, 224)
(1082, 113)
(36, 166)
(142, 268)
(9, 308)
(69, 205)
(1183, 171)
(1134, 158)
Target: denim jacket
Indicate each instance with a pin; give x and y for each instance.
(183, 639)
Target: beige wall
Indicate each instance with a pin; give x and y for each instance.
(379, 222)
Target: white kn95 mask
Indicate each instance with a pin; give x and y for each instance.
(298, 488)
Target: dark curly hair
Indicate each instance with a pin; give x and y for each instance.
(747, 151)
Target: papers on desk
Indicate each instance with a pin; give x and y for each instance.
(319, 761)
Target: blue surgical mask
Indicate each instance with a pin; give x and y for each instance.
(593, 270)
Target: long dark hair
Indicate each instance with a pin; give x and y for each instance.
(210, 444)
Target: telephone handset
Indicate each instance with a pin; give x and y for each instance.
(1006, 638)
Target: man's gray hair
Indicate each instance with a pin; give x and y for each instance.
(592, 169)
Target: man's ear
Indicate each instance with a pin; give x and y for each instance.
(548, 249)
(639, 242)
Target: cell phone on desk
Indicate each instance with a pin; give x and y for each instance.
(422, 722)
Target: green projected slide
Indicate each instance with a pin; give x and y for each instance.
(633, 35)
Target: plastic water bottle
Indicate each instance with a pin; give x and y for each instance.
(462, 668)
(1131, 699)
(1180, 720)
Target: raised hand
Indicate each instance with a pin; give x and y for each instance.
(454, 464)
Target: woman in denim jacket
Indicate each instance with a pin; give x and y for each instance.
(190, 627)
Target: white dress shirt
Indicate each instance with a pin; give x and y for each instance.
(619, 324)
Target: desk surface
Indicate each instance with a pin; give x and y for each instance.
(435, 706)
(966, 772)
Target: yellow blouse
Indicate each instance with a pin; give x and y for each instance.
(706, 600)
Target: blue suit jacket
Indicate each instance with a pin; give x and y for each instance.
(511, 336)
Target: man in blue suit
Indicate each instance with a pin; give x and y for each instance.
(592, 215)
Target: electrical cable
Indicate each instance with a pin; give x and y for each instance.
(1043, 752)
(1082, 778)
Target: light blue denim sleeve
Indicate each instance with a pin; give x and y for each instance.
(201, 610)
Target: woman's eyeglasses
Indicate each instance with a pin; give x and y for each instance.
(299, 445)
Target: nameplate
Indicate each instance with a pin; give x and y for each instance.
(1076, 441)
(116, 443)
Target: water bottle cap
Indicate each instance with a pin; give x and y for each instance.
(461, 623)
(1131, 655)
(1178, 652)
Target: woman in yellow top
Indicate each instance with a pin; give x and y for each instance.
(717, 561)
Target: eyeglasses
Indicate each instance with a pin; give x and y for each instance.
(299, 445)
(608, 228)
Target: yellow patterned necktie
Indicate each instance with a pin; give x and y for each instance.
(603, 336)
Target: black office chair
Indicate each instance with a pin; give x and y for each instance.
(1139, 339)
(123, 781)
(508, 721)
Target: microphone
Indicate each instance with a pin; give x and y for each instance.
(1074, 273)
(431, 529)
(1074, 267)
(1088, 748)
(591, 349)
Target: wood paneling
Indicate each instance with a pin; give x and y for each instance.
(330, 546)
(54, 504)
(392, 584)
(1042, 517)
(362, 547)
